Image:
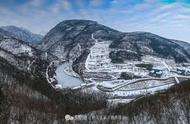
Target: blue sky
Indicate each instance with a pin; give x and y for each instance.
(168, 18)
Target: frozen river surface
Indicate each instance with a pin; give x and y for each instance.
(66, 80)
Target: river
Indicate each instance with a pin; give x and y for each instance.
(66, 80)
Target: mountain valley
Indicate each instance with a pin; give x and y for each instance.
(81, 67)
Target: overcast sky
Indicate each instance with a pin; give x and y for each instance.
(168, 18)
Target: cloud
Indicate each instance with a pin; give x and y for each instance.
(185, 10)
(60, 5)
(96, 2)
(37, 3)
(66, 4)
(183, 17)
(165, 8)
(161, 17)
(114, 1)
(124, 15)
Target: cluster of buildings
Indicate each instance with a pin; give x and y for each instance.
(98, 60)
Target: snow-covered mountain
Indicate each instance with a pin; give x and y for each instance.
(23, 34)
(183, 44)
(74, 34)
(72, 39)
(112, 66)
(23, 55)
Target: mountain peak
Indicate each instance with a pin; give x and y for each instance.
(77, 21)
(69, 34)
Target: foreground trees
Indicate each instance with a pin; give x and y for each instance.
(169, 107)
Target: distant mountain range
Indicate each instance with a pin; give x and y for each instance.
(23, 34)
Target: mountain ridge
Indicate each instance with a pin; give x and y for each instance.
(72, 39)
(23, 34)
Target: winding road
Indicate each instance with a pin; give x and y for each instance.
(105, 89)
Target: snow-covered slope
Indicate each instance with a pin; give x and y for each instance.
(183, 44)
(16, 47)
(23, 34)
(71, 37)
(72, 40)
(23, 55)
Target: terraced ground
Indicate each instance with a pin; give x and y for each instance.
(99, 64)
